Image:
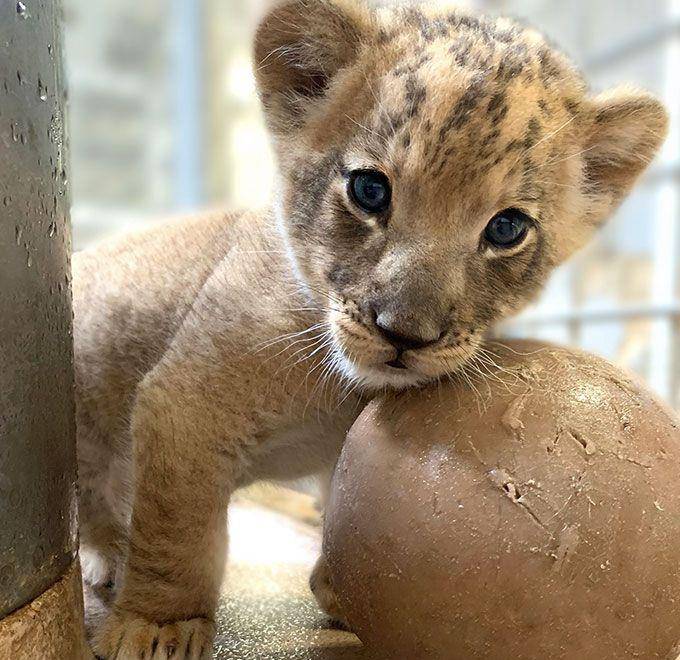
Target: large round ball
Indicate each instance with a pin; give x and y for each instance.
(531, 513)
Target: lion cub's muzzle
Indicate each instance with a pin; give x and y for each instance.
(406, 330)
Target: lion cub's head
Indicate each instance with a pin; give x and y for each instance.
(434, 169)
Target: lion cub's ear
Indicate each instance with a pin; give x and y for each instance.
(299, 47)
(626, 129)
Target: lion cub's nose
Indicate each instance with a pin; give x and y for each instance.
(403, 338)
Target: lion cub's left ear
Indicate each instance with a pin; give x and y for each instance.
(300, 46)
(626, 129)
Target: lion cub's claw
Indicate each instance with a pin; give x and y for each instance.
(128, 637)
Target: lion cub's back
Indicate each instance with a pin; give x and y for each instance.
(129, 297)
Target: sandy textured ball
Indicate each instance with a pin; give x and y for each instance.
(534, 516)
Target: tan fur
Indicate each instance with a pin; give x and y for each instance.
(218, 350)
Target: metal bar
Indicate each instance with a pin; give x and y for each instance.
(37, 427)
(584, 316)
(671, 156)
(188, 85)
(666, 235)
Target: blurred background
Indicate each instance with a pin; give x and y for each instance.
(164, 119)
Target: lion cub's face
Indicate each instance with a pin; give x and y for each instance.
(435, 168)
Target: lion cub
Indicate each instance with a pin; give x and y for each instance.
(434, 168)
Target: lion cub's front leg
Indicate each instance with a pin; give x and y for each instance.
(177, 548)
(320, 584)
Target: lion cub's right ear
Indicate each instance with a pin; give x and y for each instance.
(300, 46)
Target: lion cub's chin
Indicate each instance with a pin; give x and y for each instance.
(382, 376)
(377, 374)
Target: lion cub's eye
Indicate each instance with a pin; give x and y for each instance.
(370, 190)
(507, 229)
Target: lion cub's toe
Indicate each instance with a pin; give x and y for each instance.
(320, 584)
(126, 636)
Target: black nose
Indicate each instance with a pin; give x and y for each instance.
(402, 342)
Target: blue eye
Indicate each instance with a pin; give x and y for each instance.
(370, 190)
(508, 228)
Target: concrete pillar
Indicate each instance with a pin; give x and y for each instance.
(40, 594)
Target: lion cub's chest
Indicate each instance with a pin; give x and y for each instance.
(302, 448)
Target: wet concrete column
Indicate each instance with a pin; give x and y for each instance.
(40, 596)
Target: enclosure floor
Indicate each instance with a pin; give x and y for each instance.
(267, 611)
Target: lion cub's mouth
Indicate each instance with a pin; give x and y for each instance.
(396, 364)
(365, 357)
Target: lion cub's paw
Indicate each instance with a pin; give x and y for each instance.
(320, 584)
(126, 636)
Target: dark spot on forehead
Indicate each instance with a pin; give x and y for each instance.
(543, 105)
(429, 28)
(498, 160)
(551, 70)
(497, 100)
(508, 69)
(528, 75)
(440, 167)
(384, 36)
(530, 190)
(490, 137)
(520, 51)
(513, 170)
(513, 145)
(439, 28)
(459, 116)
(459, 21)
(572, 106)
(449, 152)
(514, 60)
(416, 93)
(506, 35)
(411, 67)
(532, 133)
(460, 50)
(465, 106)
(500, 114)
